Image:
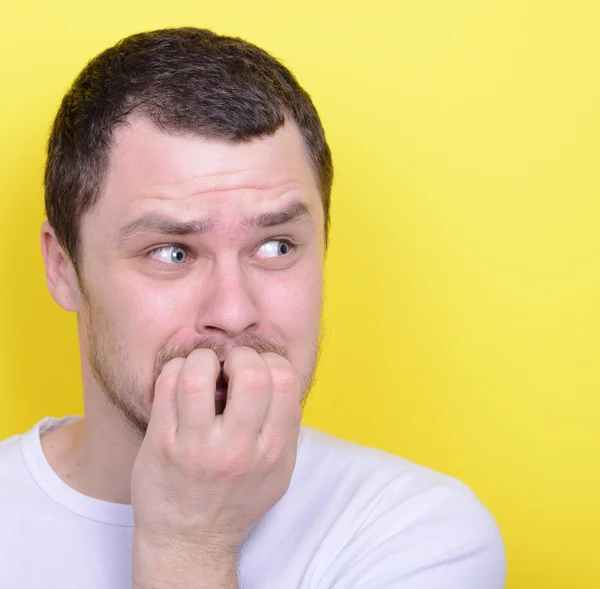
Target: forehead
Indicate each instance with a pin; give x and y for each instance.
(187, 173)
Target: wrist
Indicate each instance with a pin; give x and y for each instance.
(168, 563)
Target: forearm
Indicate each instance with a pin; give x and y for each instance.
(177, 567)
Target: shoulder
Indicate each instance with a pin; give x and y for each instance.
(14, 473)
(413, 523)
(10, 453)
(21, 456)
(347, 461)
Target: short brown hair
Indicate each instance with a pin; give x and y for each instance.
(183, 80)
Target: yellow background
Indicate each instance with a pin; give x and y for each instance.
(463, 278)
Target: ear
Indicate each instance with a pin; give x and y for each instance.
(60, 273)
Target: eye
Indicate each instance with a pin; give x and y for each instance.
(275, 248)
(170, 254)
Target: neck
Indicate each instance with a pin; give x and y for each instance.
(95, 455)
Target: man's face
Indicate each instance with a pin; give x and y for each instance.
(247, 269)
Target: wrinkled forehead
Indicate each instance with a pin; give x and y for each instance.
(146, 163)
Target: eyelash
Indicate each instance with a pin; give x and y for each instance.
(289, 243)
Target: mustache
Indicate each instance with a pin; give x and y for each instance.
(261, 344)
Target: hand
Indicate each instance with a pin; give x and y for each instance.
(201, 480)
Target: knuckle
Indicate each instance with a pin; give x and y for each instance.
(193, 381)
(254, 378)
(188, 460)
(285, 380)
(273, 456)
(235, 464)
(161, 450)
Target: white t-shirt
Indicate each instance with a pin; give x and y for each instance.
(353, 518)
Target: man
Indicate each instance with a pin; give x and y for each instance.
(187, 195)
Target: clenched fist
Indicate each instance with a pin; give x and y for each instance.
(202, 479)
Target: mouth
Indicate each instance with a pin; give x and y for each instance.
(221, 392)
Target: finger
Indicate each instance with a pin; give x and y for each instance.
(284, 416)
(163, 416)
(196, 394)
(248, 394)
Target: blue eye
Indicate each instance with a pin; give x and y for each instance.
(177, 256)
(275, 248)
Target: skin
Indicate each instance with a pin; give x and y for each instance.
(157, 314)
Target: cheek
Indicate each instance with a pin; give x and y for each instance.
(292, 305)
(144, 314)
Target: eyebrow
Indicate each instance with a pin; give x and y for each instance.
(296, 212)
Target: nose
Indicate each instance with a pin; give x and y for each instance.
(229, 304)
